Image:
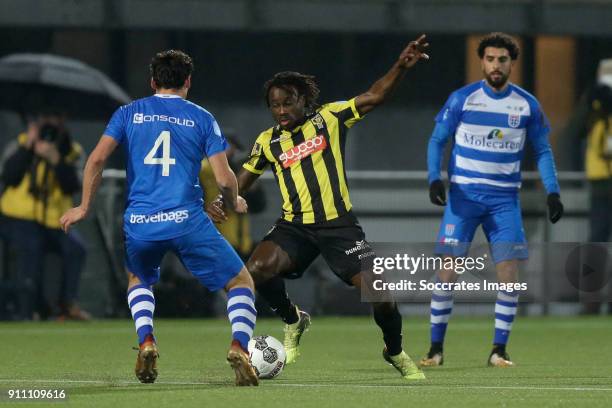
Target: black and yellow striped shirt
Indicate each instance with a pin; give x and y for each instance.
(308, 163)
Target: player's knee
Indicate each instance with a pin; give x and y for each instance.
(133, 280)
(448, 275)
(507, 271)
(243, 279)
(255, 267)
(384, 308)
(357, 279)
(261, 269)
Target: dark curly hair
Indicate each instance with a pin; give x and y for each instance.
(499, 40)
(171, 68)
(290, 81)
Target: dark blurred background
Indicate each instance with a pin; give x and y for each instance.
(238, 44)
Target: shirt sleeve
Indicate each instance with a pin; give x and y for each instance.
(538, 129)
(346, 111)
(450, 115)
(116, 125)
(214, 141)
(538, 122)
(257, 161)
(435, 150)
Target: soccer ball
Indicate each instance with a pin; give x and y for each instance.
(267, 356)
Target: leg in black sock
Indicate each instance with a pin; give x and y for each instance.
(389, 320)
(267, 265)
(436, 347)
(274, 292)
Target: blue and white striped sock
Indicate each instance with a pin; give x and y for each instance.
(441, 309)
(505, 310)
(241, 314)
(142, 305)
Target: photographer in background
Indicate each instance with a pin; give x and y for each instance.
(598, 166)
(39, 177)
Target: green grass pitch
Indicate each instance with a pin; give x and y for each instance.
(560, 362)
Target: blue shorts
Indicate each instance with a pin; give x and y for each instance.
(204, 252)
(500, 216)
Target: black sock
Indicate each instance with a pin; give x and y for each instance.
(436, 348)
(274, 292)
(499, 349)
(389, 320)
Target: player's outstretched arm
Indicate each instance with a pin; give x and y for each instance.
(215, 208)
(383, 87)
(245, 180)
(226, 180)
(92, 176)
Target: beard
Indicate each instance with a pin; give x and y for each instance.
(498, 82)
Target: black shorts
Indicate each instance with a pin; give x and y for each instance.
(341, 242)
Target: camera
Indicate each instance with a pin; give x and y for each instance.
(49, 133)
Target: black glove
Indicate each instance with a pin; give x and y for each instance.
(437, 193)
(555, 207)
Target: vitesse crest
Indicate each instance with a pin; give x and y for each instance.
(256, 151)
(318, 122)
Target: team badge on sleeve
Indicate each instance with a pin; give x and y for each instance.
(256, 151)
(255, 154)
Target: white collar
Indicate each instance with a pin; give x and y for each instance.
(167, 96)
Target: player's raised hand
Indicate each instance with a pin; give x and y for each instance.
(414, 52)
(72, 216)
(241, 206)
(215, 210)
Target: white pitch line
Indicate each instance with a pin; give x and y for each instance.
(93, 329)
(460, 387)
(412, 386)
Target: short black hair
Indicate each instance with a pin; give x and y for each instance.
(171, 68)
(305, 85)
(499, 40)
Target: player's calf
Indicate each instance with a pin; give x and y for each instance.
(441, 308)
(388, 318)
(142, 306)
(242, 315)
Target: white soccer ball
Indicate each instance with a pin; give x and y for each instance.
(267, 356)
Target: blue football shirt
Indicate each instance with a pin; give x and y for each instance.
(165, 137)
(489, 131)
